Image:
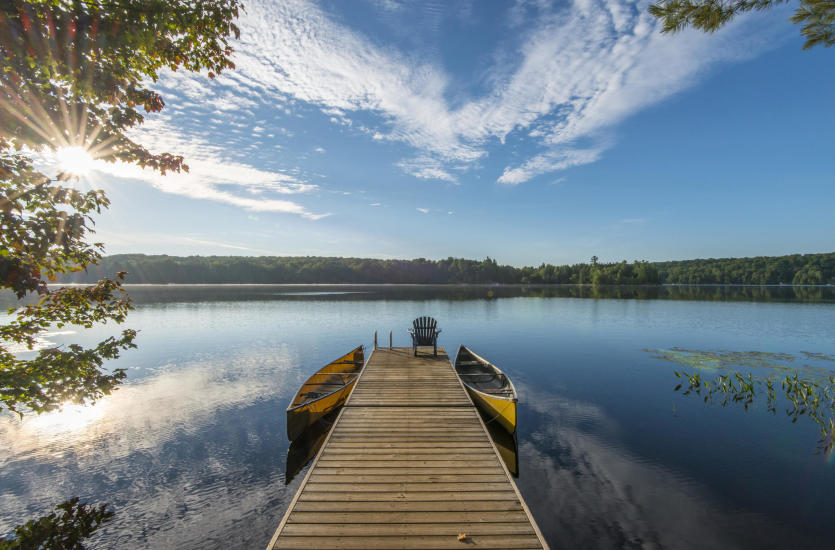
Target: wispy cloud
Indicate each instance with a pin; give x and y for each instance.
(423, 210)
(426, 168)
(218, 244)
(213, 176)
(558, 159)
(576, 70)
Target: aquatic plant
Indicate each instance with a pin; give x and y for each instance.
(727, 360)
(812, 398)
(748, 377)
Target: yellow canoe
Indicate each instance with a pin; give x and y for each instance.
(323, 392)
(491, 390)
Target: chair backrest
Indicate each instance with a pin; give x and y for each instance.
(424, 330)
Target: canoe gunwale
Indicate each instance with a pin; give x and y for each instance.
(354, 377)
(306, 403)
(515, 396)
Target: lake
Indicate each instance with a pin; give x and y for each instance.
(191, 451)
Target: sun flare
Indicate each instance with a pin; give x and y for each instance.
(75, 160)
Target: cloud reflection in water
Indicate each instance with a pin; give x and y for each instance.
(587, 491)
(196, 448)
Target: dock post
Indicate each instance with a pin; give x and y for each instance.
(375, 339)
(390, 339)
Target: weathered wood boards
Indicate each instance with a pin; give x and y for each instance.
(408, 464)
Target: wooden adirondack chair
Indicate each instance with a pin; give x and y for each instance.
(425, 333)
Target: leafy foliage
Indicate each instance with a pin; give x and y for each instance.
(814, 399)
(237, 269)
(816, 16)
(76, 73)
(762, 270)
(62, 529)
(708, 360)
(43, 230)
(797, 269)
(43, 225)
(747, 377)
(818, 20)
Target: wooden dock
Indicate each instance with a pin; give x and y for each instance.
(408, 464)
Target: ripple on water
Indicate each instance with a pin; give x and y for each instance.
(164, 451)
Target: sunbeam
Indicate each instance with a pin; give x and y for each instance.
(74, 160)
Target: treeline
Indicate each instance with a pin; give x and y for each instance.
(162, 269)
(797, 269)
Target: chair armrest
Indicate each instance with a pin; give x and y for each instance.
(410, 331)
(438, 331)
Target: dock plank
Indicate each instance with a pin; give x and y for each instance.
(424, 542)
(408, 464)
(412, 529)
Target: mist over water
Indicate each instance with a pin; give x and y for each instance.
(191, 451)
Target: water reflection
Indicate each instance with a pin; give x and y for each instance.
(70, 419)
(305, 447)
(758, 378)
(506, 444)
(587, 491)
(42, 341)
(155, 408)
(191, 452)
(149, 294)
(179, 455)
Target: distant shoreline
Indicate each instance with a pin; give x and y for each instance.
(453, 285)
(793, 270)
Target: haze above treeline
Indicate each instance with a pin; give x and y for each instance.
(162, 269)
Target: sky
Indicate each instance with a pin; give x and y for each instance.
(527, 131)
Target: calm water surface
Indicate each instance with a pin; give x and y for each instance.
(191, 451)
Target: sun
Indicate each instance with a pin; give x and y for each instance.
(74, 160)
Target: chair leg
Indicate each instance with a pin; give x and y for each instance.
(435, 348)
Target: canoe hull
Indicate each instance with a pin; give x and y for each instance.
(490, 389)
(301, 418)
(501, 411)
(325, 391)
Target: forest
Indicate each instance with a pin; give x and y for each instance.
(795, 269)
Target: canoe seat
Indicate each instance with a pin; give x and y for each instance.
(424, 332)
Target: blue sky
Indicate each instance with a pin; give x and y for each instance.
(529, 131)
